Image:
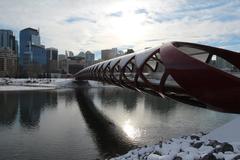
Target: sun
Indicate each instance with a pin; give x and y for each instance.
(129, 27)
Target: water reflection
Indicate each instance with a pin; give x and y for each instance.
(145, 117)
(159, 105)
(118, 104)
(162, 108)
(112, 96)
(29, 105)
(90, 122)
(129, 99)
(110, 139)
(8, 109)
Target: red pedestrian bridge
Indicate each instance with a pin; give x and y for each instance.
(191, 73)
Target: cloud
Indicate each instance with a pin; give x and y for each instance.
(201, 5)
(214, 10)
(79, 19)
(116, 14)
(141, 11)
(98, 24)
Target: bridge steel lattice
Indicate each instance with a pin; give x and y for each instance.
(191, 73)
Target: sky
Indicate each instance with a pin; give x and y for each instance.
(81, 25)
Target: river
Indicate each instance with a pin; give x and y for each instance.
(91, 123)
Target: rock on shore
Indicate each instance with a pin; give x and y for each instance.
(194, 147)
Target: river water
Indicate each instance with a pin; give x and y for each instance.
(91, 123)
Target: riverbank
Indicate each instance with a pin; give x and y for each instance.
(222, 143)
(13, 84)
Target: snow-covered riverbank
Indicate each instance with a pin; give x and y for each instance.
(220, 144)
(12, 84)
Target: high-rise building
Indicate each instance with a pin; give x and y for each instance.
(114, 51)
(8, 53)
(89, 58)
(75, 64)
(109, 53)
(32, 52)
(69, 53)
(81, 54)
(52, 59)
(8, 41)
(16, 48)
(63, 63)
(70, 65)
(8, 63)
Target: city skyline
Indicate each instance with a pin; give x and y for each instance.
(76, 26)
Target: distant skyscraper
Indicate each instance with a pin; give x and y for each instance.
(31, 50)
(75, 64)
(109, 53)
(8, 53)
(69, 53)
(52, 54)
(81, 54)
(61, 57)
(89, 58)
(114, 51)
(8, 41)
(63, 63)
(16, 47)
(52, 59)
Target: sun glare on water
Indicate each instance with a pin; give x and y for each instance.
(130, 130)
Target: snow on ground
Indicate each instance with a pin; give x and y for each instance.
(12, 84)
(221, 144)
(23, 88)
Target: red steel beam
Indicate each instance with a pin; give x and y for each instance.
(182, 71)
